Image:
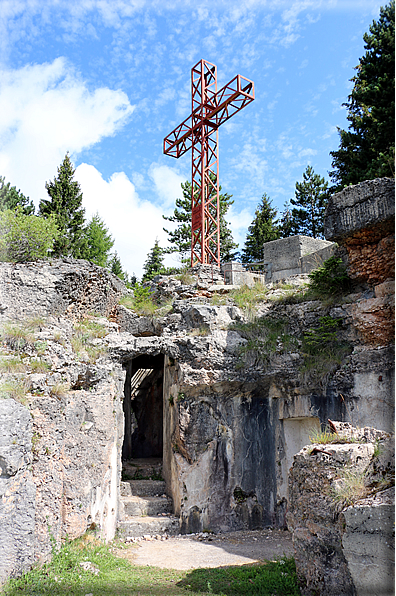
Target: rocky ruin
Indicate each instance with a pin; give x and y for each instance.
(226, 396)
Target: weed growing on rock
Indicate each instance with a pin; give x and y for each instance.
(39, 366)
(12, 364)
(141, 301)
(349, 488)
(40, 347)
(59, 390)
(218, 299)
(265, 336)
(15, 390)
(84, 332)
(186, 278)
(199, 332)
(17, 336)
(326, 436)
(247, 297)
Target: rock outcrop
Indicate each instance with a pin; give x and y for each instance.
(341, 514)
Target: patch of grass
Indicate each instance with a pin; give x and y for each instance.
(36, 323)
(218, 299)
(141, 302)
(16, 335)
(59, 389)
(247, 297)
(86, 566)
(39, 366)
(326, 436)
(265, 336)
(349, 488)
(102, 574)
(12, 364)
(90, 328)
(199, 332)
(84, 332)
(275, 578)
(16, 390)
(186, 278)
(41, 347)
(94, 352)
(59, 338)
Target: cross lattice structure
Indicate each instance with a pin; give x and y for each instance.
(199, 132)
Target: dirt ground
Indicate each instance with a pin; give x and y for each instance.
(194, 551)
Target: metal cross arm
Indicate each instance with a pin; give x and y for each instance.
(199, 132)
(234, 96)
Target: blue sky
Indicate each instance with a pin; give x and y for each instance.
(106, 80)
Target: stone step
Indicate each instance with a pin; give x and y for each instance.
(147, 468)
(148, 526)
(142, 488)
(147, 505)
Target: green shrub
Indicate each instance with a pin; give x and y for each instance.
(331, 279)
(25, 237)
(141, 301)
(323, 351)
(265, 336)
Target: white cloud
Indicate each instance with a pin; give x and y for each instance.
(46, 110)
(133, 222)
(167, 183)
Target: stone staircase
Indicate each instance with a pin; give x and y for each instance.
(145, 510)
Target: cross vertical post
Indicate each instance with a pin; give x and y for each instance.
(209, 109)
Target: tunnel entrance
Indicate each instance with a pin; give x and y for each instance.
(143, 408)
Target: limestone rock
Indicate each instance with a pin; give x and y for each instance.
(360, 207)
(343, 551)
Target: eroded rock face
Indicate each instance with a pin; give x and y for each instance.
(343, 549)
(361, 219)
(61, 286)
(60, 443)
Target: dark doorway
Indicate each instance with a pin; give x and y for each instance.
(143, 436)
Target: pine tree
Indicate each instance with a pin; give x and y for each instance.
(367, 148)
(311, 199)
(66, 203)
(154, 262)
(99, 242)
(11, 198)
(262, 229)
(116, 267)
(180, 237)
(286, 224)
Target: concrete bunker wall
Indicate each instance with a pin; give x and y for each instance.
(228, 448)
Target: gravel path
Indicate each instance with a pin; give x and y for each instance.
(194, 551)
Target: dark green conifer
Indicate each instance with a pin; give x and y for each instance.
(262, 229)
(180, 237)
(11, 198)
(310, 203)
(367, 148)
(99, 242)
(66, 203)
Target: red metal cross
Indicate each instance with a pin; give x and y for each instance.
(199, 131)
